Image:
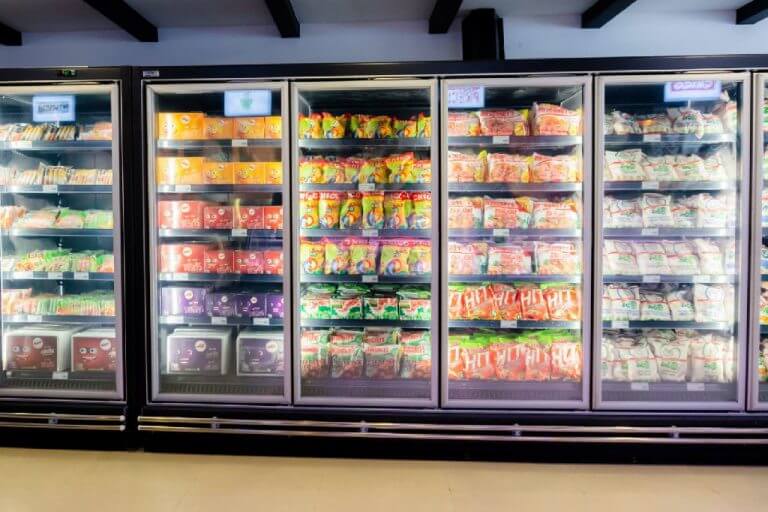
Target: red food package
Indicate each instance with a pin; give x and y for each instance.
(455, 303)
(463, 124)
(537, 361)
(273, 217)
(182, 258)
(249, 262)
(533, 304)
(566, 359)
(218, 217)
(479, 303)
(503, 168)
(555, 120)
(509, 360)
(563, 303)
(464, 167)
(180, 214)
(250, 217)
(476, 361)
(273, 262)
(219, 261)
(504, 122)
(507, 301)
(455, 363)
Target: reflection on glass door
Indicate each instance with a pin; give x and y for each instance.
(671, 159)
(59, 242)
(217, 159)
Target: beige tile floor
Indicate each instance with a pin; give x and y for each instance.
(35, 480)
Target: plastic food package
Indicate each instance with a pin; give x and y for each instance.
(651, 258)
(710, 256)
(465, 213)
(507, 301)
(680, 305)
(716, 166)
(400, 168)
(18, 217)
(273, 216)
(314, 354)
(713, 303)
(420, 257)
(509, 259)
(566, 357)
(346, 307)
(380, 307)
(218, 217)
(351, 211)
(707, 354)
(312, 256)
(625, 302)
(421, 211)
(622, 213)
(621, 123)
(466, 168)
(373, 210)
(405, 128)
(690, 168)
(180, 125)
(624, 165)
(467, 258)
(557, 258)
(687, 121)
(619, 258)
(637, 357)
(395, 256)
(336, 256)
(503, 168)
(328, 207)
(308, 210)
(416, 361)
(334, 127)
(310, 127)
(556, 215)
(397, 209)
(654, 123)
(551, 119)
(352, 166)
(659, 168)
(653, 306)
(373, 170)
(555, 169)
(362, 256)
(311, 170)
(563, 303)
(538, 359)
(533, 304)
(463, 124)
(504, 122)
(72, 219)
(333, 171)
(681, 257)
(657, 212)
(512, 213)
(671, 353)
(711, 211)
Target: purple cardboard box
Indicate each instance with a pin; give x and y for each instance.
(194, 354)
(184, 301)
(252, 305)
(275, 305)
(259, 353)
(222, 304)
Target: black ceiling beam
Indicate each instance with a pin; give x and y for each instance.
(443, 15)
(752, 12)
(285, 18)
(9, 36)
(602, 12)
(126, 17)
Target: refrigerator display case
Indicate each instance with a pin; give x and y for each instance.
(218, 189)
(672, 196)
(60, 245)
(515, 258)
(365, 264)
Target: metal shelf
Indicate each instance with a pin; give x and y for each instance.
(363, 187)
(217, 384)
(349, 143)
(58, 319)
(56, 189)
(218, 143)
(506, 141)
(58, 276)
(506, 278)
(59, 145)
(497, 187)
(514, 233)
(400, 233)
(210, 277)
(512, 324)
(667, 232)
(58, 232)
(366, 278)
(221, 233)
(399, 389)
(406, 324)
(668, 138)
(670, 278)
(63, 375)
(544, 390)
(668, 387)
(657, 324)
(669, 186)
(234, 189)
(221, 320)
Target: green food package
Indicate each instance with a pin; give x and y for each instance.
(419, 337)
(346, 361)
(380, 307)
(98, 219)
(415, 309)
(424, 125)
(333, 172)
(352, 166)
(319, 289)
(373, 170)
(311, 170)
(345, 307)
(315, 361)
(381, 361)
(351, 212)
(334, 127)
(336, 257)
(357, 124)
(373, 210)
(421, 212)
(362, 256)
(382, 335)
(397, 209)
(353, 289)
(312, 257)
(310, 127)
(415, 362)
(422, 171)
(315, 307)
(346, 337)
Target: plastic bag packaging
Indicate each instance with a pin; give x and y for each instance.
(625, 302)
(507, 301)
(653, 306)
(619, 258)
(466, 168)
(548, 119)
(671, 355)
(557, 258)
(463, 124)
(421, 211)
(656, 210)
(621, 123)
(710, 256)
(504, 122)
(681, 256)
(680, 305)
(707, 354)
(512, 213)
(555, 169)
(684, 214)
(397, 209)
(362, 256)
(622, 213)
(641, 365)
(467, 258)
(687, 121)
(713, 303)
(503, 168)
(351, 211)
(654, 124)
(651, 258)
(533, 304)
(659, 168)
(624, 165)
(690, 168)
(509, 259)
(465, 213)
(328, 209)
(563, 303)
(564, 214)
(308, 210)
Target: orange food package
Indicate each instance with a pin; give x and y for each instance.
(557, 258)
(180, 170)
(463, 124)
(455, 364)
(249, 128)
(181, 125)
(180, 214)
(563, 303)
(556, 169)
(509, 360)
(479, 303)
(217, 128)
(563, 214)
(218, 173)
(503, 168)
(273, 173)
(273, 217)
(466, 168)
(538, 361)
(273, 262)
(504, 122)
(566, 358)
(249, 173)
(465, 213)
(273, 127)
(477, 363)
(551, 119)
(532, 304)
(507, 301)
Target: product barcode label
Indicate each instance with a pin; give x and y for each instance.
(639, 386)
(501, 139)
(654, 137)
(508, 324)
(650, 185)
(701, 278)
(366, 187)
(619, 324)
(695, 386)
(183, 188)
(650, 232)
(219, 320)
(240, 232)
(60, 375)
(81, 276)
(501, 232)
(34, 318)
(651, 279)
(174, 319)
(239, 143)
(370, 279)
(22, 275)
(261, 321)
(180, 276)
(50, 188)
(370, 232)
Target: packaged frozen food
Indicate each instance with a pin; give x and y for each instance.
(362, 256)
(508, 358)
(653, 306)
(467, 258)
(466, 167)
(181, 214)
(346, 361)
(380, 307)
(422, 171)
(381, 361)
(625, 302)
(690, 168)
(566, 356)
(414, 304)
(711, 210)
(315, 361)
(465, 213)
(40, 347)
(252, 305)
(397, 209)
(249, 173)
(312, 256)
(509, 259)
(416, 361)
(512, 213)
(181, 125)
(249, 261)
(504, 122)
(538, 358)
(273, 127)
(182, 257)
(710, 256)
(333, 171)
(219, 261)
(273, 262)
(548, 119)
(563, 214)
(563, 302)
(557, 258)
(75, 219)
(259, 353)
(218, 217)
(475, 354)
(653, 123)
(620, 258)
(249, 127)
(716, 166)
(624, 165)
(203, 351)
(621, 123)
(310, 127)
(463, 124)
(651, 257)
(219, 128)
(533, 304)
(405, 128)
(622, 213)
(180, 170)
(657, 212)
(638, 360)
(183, 301)
(421, 211)
(681, 257)
(504, 168)
(311, 170)
(308, 210)
(336, 256)
(373, 210)
(687, 121)
(218, 173)
(507, 301)
(420, 257)
(328, 209)
(273, 216)
(94, 350)
(373, 170)
(351, 211)
(707, 354)
(659, 168)
(713, 303)
(400, 168)
(555, 169)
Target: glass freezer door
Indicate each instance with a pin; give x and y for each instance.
(59, 242)
(366, 264)
(670, 280)
(220, 308)
(516, 175)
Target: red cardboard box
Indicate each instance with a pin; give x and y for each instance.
(182, 258)
(249, 262)
(180, 214)
(273, 262)
(218, 217)
(219, 261)
(250, 217)
(273, 217)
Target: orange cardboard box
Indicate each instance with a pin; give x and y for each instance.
(249, 127)
(218, 173)
(249, 173)
(273, 173)
(172, 170)
(273, 127)
(219, 128)
(273, 217)
(181, 125)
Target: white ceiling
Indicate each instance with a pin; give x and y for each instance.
(75, 15)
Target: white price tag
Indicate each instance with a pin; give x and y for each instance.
(55, 275)
(239, 143)
(370, 279)
(174, 319)
(701, 278)
(179, 276)
(219, 320)
(501, 139)
(51, 188)
(651, 279)
(240, 232)
(183, 188)
(650, 232)
(639, 386)
(260, 321)
(81, 276)
(60, 375)
(501, 232)
(34, 318)
(619, 324)
(653, 137)
(508, 324)
(19, 144)
(650, 185)
(22, 275)
(695, 386)
(366, 187)
(370, 232)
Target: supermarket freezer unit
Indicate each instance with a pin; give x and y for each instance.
(485, 419)
(69, 332)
